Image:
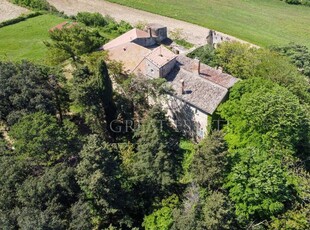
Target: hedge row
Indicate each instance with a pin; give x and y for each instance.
(298, 2)
(19, 19)
(35, 5)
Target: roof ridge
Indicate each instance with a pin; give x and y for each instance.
(140, 62)
(126, 43)
(198, 75)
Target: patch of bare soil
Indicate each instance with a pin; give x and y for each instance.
(10, 11)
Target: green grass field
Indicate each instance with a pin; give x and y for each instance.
(24, 40)
(262, 22)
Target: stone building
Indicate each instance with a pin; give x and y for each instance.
(158, 31)
(197, 89)
(159, 62)
(214, 38)
(137, 51)
(136, 36)
(197, 92)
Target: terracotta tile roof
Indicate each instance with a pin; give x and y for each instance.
(161, 56)
(198, 92)
(125, 38)
(204, 91)
(207, 72)
(63, 25)
(131, 55)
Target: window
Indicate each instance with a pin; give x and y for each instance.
(199, 131)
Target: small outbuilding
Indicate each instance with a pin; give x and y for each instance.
(158, 31)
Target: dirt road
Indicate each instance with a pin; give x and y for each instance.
(10, 11)
(193, 33)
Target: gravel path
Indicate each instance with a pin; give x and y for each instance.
(193, 33)
(10, 11)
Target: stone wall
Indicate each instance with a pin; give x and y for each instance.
(187, 119)
(166, 69)
(145, 42)
(152, 70)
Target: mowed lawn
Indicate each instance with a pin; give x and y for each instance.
(24, 40)
(262, 22)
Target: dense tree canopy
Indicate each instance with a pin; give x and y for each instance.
(97, 174)
(299, 56)
(258, 184)
(45, 200)
(27, 88)
(89, 154)
(93, 91)
(266, 116)
(38, 137)
(156, 160)
(209, 161)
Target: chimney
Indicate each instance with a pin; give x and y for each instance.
(182, 86)
(198, 65)
(150, 32)
(220, 69)
(210, 38)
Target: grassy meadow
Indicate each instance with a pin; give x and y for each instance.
(262, 22)
(24, 40)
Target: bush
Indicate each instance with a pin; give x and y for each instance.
(298, 2)
(35, 4)
(19, 19)
(105, 24)
(206, 54)
(293, 2)
(299, 55)
(91, 19)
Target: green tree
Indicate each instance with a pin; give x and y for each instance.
(72, 41)
(187, 215)
(156, 162)
(217, 212)
(205, 54)
(138, 91)
(81, 216)
(27, 88)
(39, 137)
(151, 168)
(299, 56)
(162, 218)
(35, 4)
(12, 174)
(209, 161)
(94, 92)
(269, 116)
(259, 184)
(91, 19)
(45, 200)
(237, 59)
(297, 219)
(246, 62)
(2, 145)
(98, 175)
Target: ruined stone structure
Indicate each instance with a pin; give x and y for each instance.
(214, 38)
(158, 31)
